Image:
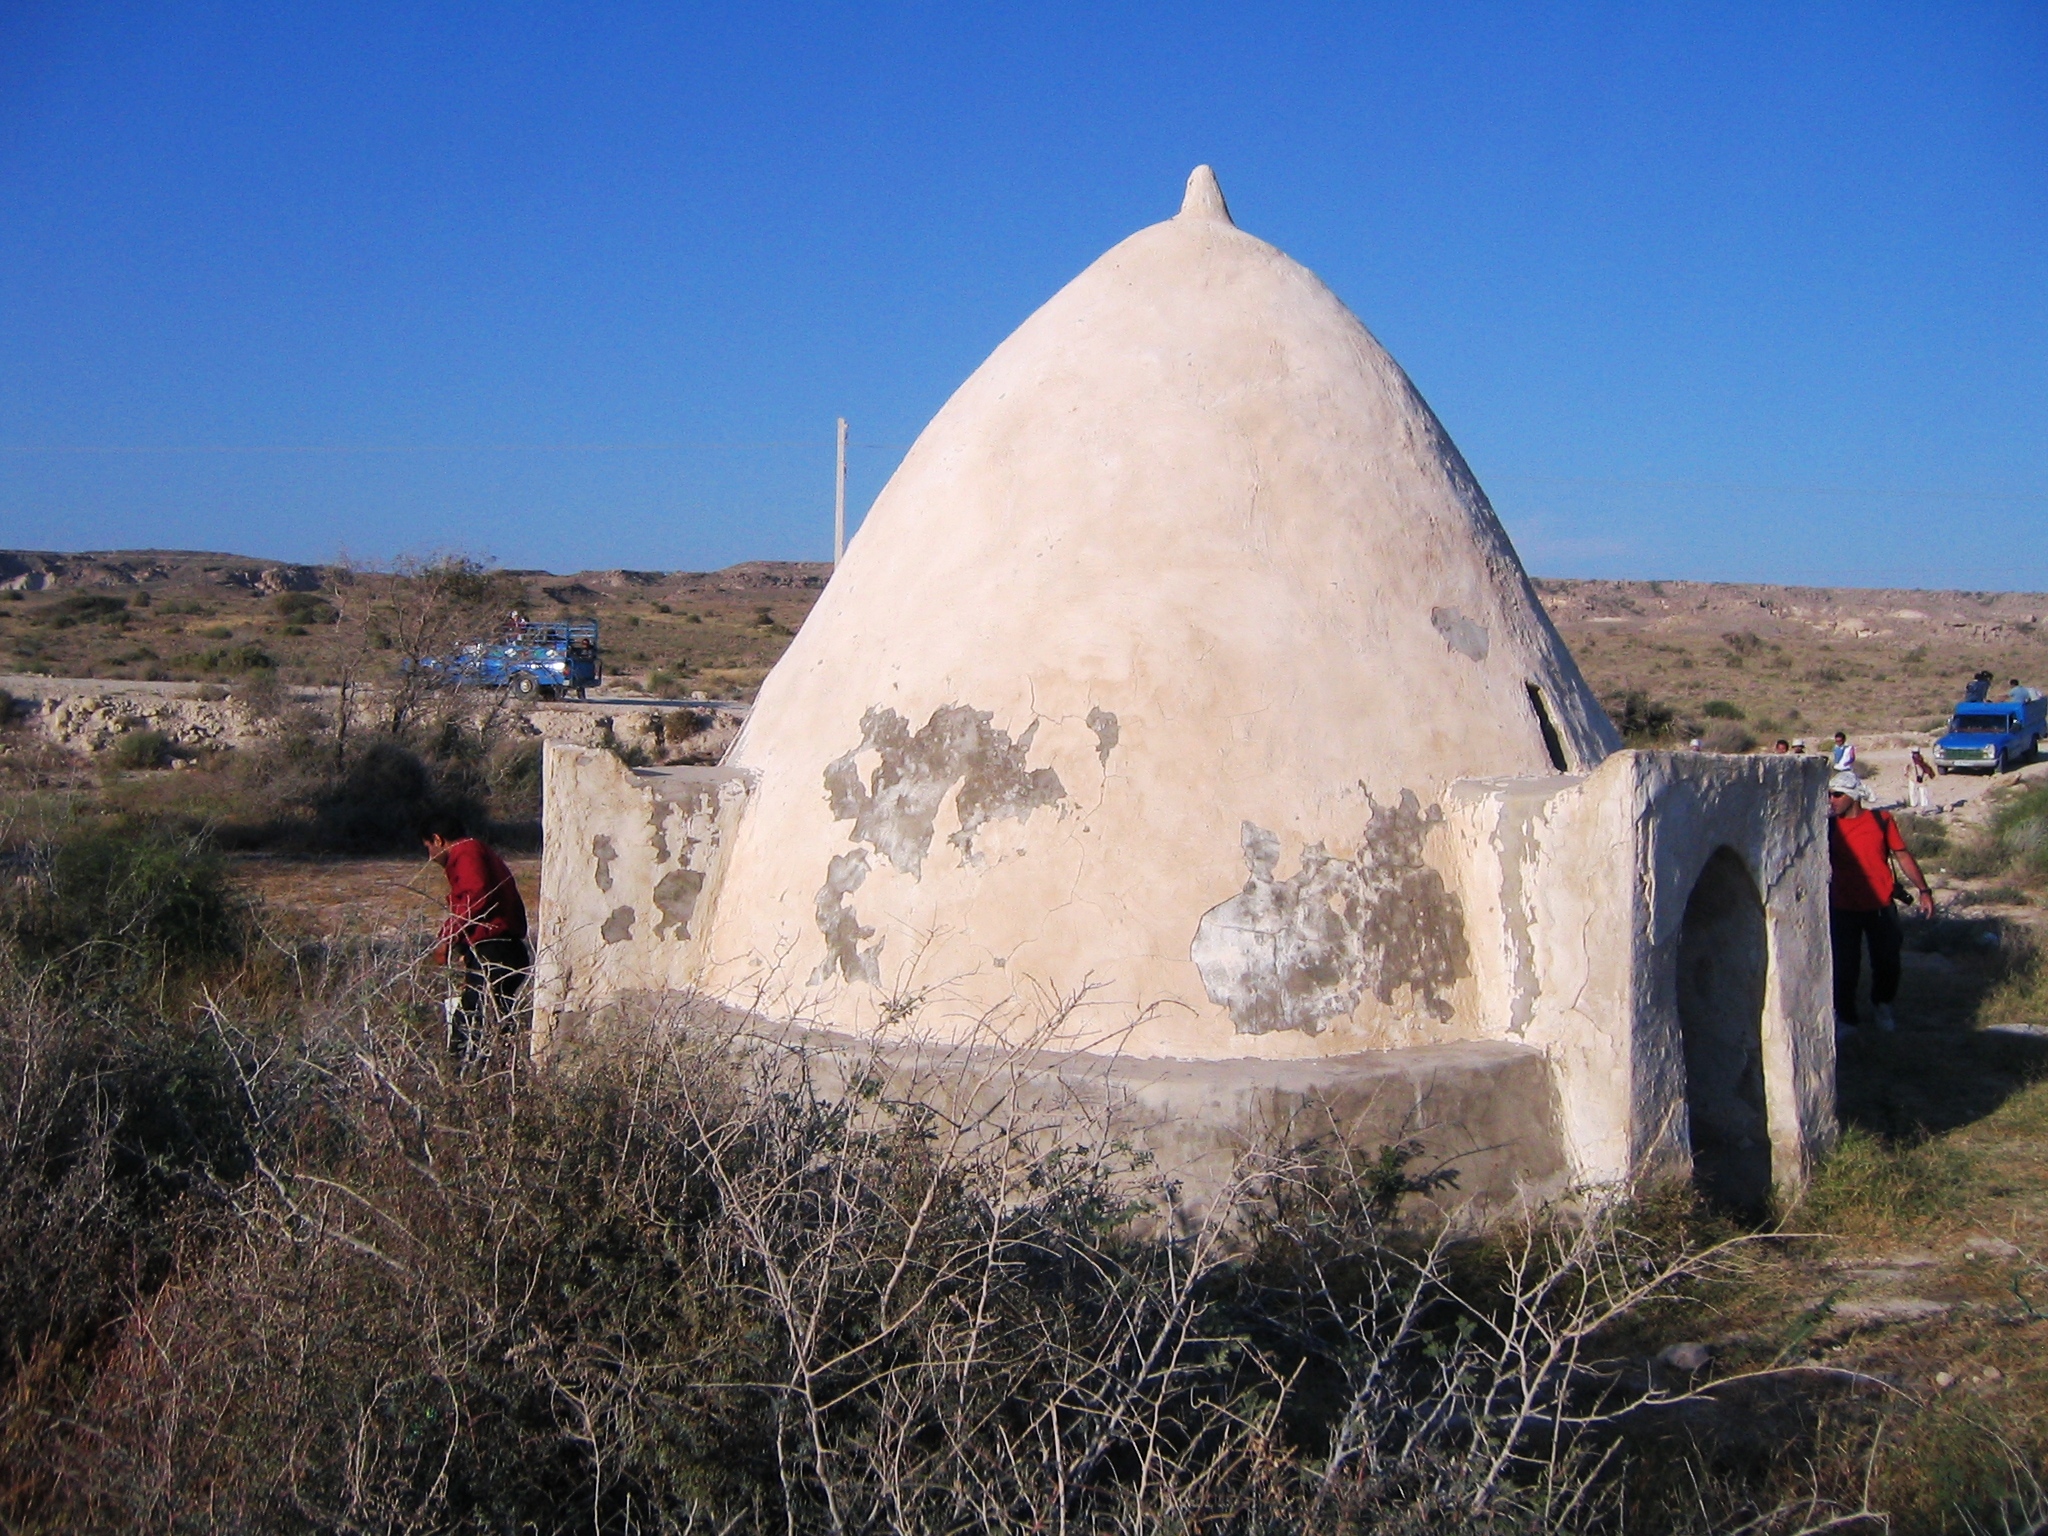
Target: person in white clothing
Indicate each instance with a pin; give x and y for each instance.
(1919, 774)
(1843, 758)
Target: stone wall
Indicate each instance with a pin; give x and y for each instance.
(1654, 1011)
(631, 864)
(693, 733)
(1652, 935)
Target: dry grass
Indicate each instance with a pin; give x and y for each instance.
(272, 1265)
(268, 1264)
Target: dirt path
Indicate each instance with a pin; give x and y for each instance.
(379, 896)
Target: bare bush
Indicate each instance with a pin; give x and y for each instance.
(271, 1263)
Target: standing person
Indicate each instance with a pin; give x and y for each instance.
(1862, 844)
(2017, 692)
(1979, 689)
(485, 933)
(1919, 774)
(1842, 758)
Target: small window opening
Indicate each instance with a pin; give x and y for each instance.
(1552, 742)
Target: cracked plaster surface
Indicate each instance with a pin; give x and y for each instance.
(1300, 952)
(842, 928)
(896, 810)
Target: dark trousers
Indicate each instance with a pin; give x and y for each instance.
(493, 972)
(1849, 931)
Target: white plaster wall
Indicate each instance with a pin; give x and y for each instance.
(1579, 887)
(630, 867)
(1191, 493)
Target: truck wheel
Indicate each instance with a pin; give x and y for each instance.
(524, 685)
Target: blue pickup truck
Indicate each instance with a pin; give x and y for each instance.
(533, 660)
(1992, 736)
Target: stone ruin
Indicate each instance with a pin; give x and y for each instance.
(1183, 710)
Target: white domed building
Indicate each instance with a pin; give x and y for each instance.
(1181, 700)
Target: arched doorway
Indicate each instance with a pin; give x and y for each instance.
(1723, 958)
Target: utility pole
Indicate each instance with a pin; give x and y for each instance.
(839, 502)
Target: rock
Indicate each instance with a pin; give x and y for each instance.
(1691, 1358)
(1978, 1247)
(1890, 1309)
(1944, 1380)
(1991, 1373)
(2020, 1031)
(1905, 1258)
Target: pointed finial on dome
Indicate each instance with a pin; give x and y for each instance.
(1205, 197)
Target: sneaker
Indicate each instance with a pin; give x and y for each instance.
(1885, 1021)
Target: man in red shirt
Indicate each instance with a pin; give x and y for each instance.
(485, 931)
(1862, 844)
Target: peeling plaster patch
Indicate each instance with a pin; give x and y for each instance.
(619, 926)
(1515, 848)
(841, 927)
(602, 850)
(1103, 723)
(1296, 953)
(657, 816)
(1467, 637)
(895, 812)
(676, 896)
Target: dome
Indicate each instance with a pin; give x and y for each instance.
(1135, 700)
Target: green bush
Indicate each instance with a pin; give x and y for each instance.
(303, 608)
(1727, 736)
(376, 801)
(240, 658)
(1641, 720)
(112, 900)
(141, 749)
(1721, 709)
(85, 608)
(666, 684)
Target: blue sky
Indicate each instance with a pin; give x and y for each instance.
(1727, 292)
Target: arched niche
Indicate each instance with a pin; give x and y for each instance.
(1723, 962)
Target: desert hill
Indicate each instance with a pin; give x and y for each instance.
(1797, 660)
(1734, 657)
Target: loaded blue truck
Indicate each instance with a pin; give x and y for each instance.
(1993, 737)
(533, 660)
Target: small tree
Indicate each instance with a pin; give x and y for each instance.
(419, 610)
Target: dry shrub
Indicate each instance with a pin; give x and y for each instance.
(686, 1287)
(1727, 736)
(271, 1265)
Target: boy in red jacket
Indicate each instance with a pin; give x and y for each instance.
(485, 931)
